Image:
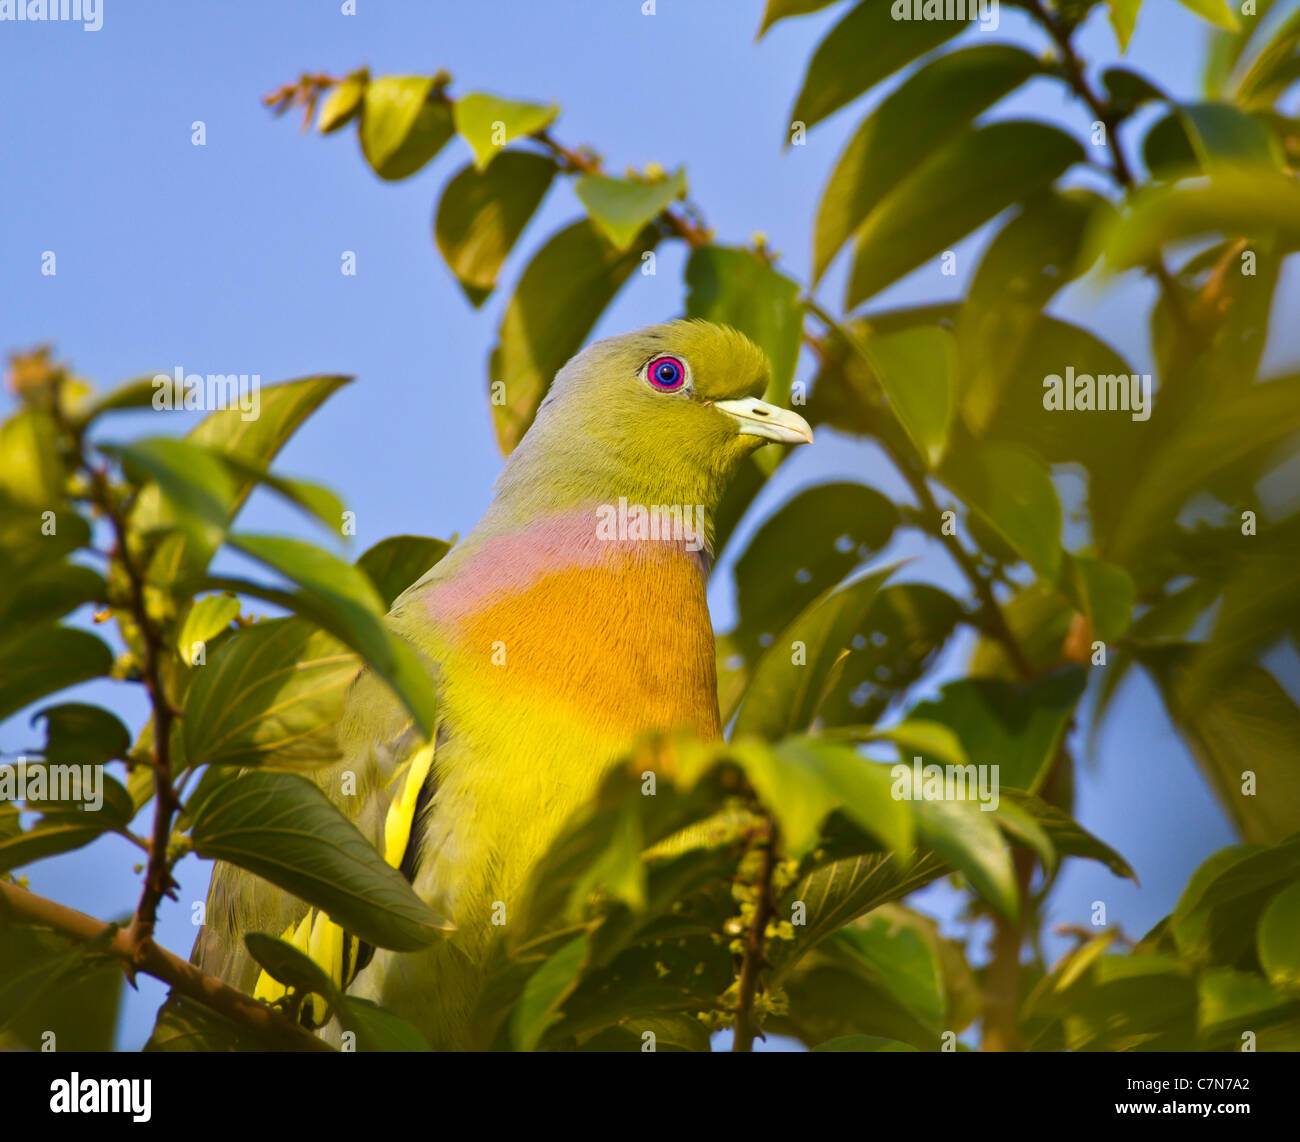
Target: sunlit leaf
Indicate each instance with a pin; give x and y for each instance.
(560, 296)
(482, 214)
(490, 124)
(1012, 491)
(274, 692)
(404, 124)
(866, 46)
(907, 126)
(972, 177)
(622, 207)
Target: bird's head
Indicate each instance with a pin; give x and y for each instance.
(661, 415)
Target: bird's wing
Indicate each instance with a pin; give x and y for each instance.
(383, 782)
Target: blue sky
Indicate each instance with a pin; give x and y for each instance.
(225, 258)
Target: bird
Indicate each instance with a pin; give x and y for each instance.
(570, 622)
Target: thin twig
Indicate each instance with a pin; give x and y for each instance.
(1123, 173)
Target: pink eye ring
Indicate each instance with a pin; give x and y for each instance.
(666, 373)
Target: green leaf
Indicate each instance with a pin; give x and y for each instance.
(341, 599)
(735, 287)
(31, 473)
(1274, 67)
(184, 1025)
(1011, 491)
(915, 367)
(482, 213)
(281, 410)
(1035, 255)
(903, 956)
(395, 563)
(803, 780)
(545, 992)
(132, 396)
(272, 693)
(781, 9)
(1068, 837)
(1241, 886)
(791, 677)
(56, 996)
(863, 1043)
(901, 634)
(1127, 89)
(1123, 18)
(1017, 727)
(1214, 436)
(1279, 938)
(622, 207)
(43, 659)
(283, 828)
(1231, 201)
(1217, 12)
(378, 1029)
(1244, 725)
(206, 619)
(291, 967)
(838, 893)
(46, 595)
(672, 1032)
(1006, 403)
(970, 178)
(404, 122)
(1232, 1001)
(968, 839)
(197, 486)
(866, 46)
(489, 124)
(561, 294)
(801, 550)
(1221, 134)
(65, 822)
(343, 103)
(906, 127)
(1102, 591)
(315, 500)
(77, 734)
(1261, 600)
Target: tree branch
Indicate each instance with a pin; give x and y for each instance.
(751, 966)
(184, 978)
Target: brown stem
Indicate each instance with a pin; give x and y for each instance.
(1122, 171)
(751, 966)
(1002, 980)
(580, 162)
(158, 880)
(185, 979)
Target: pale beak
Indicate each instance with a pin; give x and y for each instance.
(771, 422)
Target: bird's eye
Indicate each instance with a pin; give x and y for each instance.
(666, 373)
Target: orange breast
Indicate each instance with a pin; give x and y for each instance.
(625, 646)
